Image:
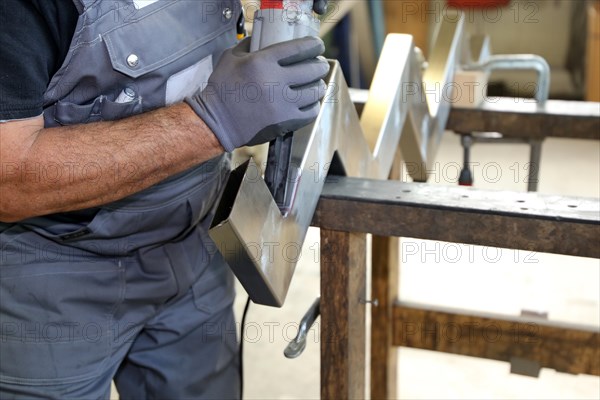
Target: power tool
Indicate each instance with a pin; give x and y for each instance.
(279, 21)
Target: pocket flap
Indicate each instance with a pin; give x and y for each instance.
(100, 109)
(148, 41)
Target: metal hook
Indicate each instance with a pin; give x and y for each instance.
(297, 346)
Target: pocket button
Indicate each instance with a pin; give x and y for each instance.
(133, 60)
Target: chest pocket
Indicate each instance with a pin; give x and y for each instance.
(155, 57)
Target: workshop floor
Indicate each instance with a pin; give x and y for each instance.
(501, 281)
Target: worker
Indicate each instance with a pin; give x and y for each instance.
(117, 120)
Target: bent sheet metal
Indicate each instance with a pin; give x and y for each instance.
(262, 244)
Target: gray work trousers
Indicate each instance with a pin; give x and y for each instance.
(157, 320)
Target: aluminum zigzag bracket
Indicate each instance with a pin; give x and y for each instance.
(262, 245)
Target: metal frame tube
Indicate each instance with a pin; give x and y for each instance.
(519, 62)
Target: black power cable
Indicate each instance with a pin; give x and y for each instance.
(241, 354)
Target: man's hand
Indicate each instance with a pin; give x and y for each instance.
(251, 98)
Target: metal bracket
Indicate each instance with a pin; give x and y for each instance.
(522, 366)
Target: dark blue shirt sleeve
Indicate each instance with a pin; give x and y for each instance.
(35, 36)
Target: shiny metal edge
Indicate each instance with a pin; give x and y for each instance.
(430, 103)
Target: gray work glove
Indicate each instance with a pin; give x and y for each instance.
(252, 98)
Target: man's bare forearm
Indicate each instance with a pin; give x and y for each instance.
(62, 169)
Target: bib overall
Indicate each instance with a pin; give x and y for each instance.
(133, 290)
